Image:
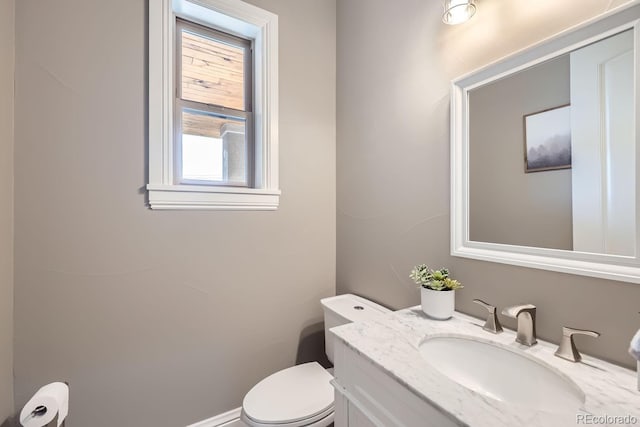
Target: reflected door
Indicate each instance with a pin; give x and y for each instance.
(603, 147)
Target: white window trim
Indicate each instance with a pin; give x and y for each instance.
(244, 20)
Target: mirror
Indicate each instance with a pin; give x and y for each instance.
(551, 153)
(544, 154)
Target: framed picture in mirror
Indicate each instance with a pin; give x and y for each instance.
(547, 139)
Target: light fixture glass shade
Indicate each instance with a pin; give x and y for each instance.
(458, 11)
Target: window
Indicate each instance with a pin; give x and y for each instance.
(213, 106)
(213, 115)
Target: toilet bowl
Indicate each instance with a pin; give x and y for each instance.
(302, 396)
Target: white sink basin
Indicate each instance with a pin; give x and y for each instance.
(502, 373)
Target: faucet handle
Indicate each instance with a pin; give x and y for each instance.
(567, 349)
(492, 324)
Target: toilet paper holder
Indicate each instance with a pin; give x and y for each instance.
(54, 421)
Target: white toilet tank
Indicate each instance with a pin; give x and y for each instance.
(343, 309)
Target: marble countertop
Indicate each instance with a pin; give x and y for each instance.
(392, 343)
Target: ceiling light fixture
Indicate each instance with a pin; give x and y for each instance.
(458, 11)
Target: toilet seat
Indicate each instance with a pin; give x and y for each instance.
(321, 420)
(294, 397)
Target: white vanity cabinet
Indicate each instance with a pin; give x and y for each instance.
(368, 397)
(383, 378)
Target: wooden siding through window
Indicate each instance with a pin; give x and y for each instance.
(212, 72)
(200, 125)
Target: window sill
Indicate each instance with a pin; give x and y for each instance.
(196, 197)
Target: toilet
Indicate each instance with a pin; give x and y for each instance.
(301, 396)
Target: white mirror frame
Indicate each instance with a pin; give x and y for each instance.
(621, 268)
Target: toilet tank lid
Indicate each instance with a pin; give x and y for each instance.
(353, 308)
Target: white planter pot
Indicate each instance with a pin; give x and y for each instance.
(438, 305)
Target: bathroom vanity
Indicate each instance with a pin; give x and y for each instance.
(389, 372)
(407, 370)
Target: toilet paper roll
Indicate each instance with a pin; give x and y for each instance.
(54, 398)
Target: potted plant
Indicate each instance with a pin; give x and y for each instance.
(437, 291)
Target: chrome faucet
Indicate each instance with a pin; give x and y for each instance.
(526, 315)
(567, 349)
(492, 324)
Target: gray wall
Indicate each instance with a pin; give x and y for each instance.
(395, 65)
(158, 318)
(6, 207)
(507, 205)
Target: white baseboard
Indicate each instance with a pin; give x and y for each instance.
(228, 419)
